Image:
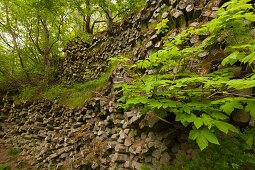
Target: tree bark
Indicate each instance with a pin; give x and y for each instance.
(88, 19)
(88, 29)
(109, 20)
(46, 55)
(16, 45)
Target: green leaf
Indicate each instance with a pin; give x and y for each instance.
(218, 116)
(202, 137)
(198, 122)
(250, 141)
(202, 142)
(227, 108)
(230, 106)
(225, 127)
(193, 134)
(250, 108)
(231, 59)
(210, 136)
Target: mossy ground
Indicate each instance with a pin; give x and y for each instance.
(72, 96)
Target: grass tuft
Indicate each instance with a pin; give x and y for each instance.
(72, 96)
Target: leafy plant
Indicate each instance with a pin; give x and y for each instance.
(233, 153)
(175, 87)
(4, 166)
(163, 27)
(14, 151)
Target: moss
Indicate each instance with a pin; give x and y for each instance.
(74, 95)
(14, 151)
(4, 166)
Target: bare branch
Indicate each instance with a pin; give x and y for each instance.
(93, 25)
(120, 13)
(6, 42)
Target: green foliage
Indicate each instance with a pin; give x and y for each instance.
(235, 152)
(28, 92)
(77, 93)
(14, 151)
(162, 26)
(176, 88)
(33, 34)
(4, 166)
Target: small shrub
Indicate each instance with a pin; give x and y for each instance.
(235, 152)
(4, 166)
(14, 151)
(28, 92)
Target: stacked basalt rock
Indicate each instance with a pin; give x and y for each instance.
(99, 135)
(86, 61)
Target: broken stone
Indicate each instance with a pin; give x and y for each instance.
(119, 158)
(165, 15)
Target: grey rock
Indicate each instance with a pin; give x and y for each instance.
(156, 153)
(149, 45)
(165, 15)
(177, 14)
(240, 116)
(120, 158)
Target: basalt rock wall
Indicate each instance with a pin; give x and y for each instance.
(135, 36)
(98, 135)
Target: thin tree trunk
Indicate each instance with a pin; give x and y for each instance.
(88, 29)
(109, 19)
(46, 55)
(16, 46)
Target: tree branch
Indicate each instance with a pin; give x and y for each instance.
(120, 13)
(106, 12)
(36, 45)
(6, 42)
(93, 25)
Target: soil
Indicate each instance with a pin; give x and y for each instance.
(11, 160)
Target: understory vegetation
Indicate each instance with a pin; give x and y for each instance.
(234, 152)
(176, 83)
(200, 98)
(77, 93)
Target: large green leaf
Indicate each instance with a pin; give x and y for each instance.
(227, 108)
(210, 136)
(225, 127)
(250, 108)
(198, 122)
(202, 142)
(202, 136)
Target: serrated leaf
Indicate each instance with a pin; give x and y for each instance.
(225, 127)
(186, 109)
(219, 116)
(193, 134)
(250, 108)
(210, 136)
(169, 103)
(162, 113)
(202, 142)
(227, 108)
(198, 122)
(231, 59)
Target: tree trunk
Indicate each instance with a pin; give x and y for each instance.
(88, 20)
(109, 22)
(16, 48)
(46, 54)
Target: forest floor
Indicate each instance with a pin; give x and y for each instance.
(9, 161)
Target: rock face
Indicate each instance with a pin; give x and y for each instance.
(98, 135)
(86, 61)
